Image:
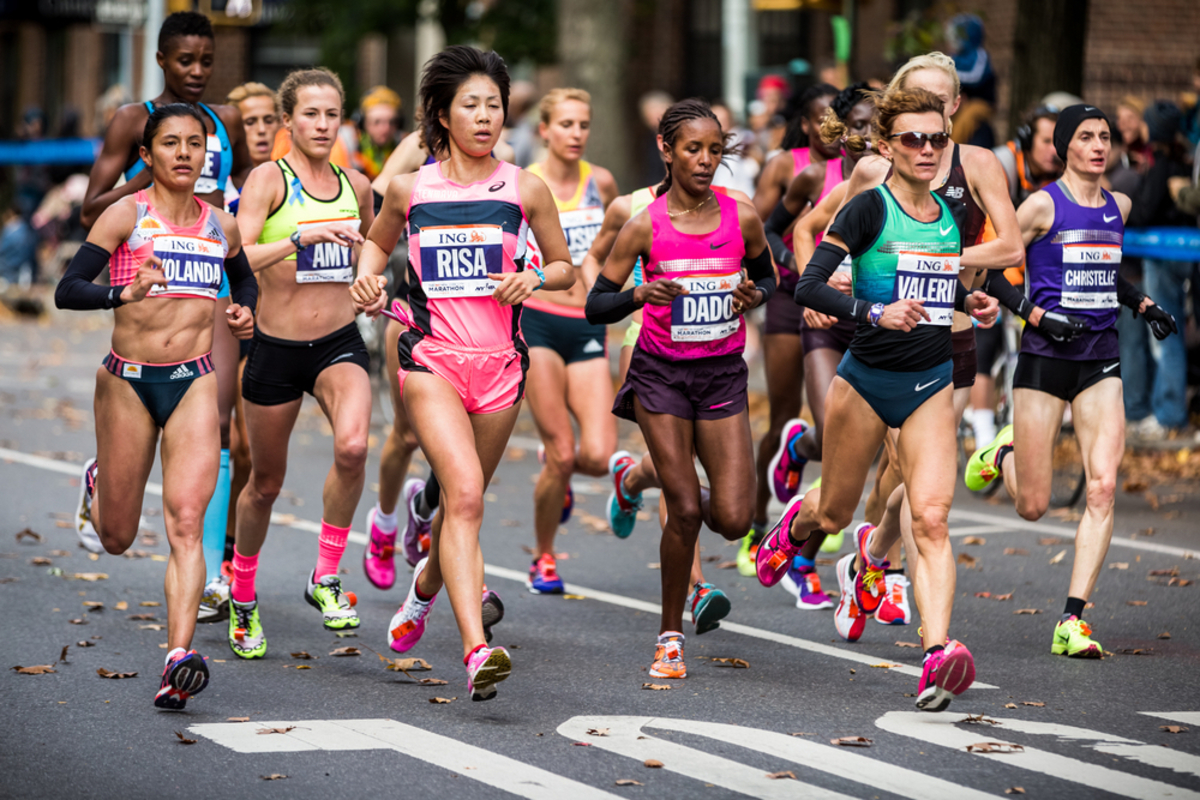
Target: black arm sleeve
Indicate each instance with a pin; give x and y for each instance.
(961, 293)
(776, 224)
(998, 287)
(814, 291)
(243, 286)
(76, 290)
(606, 303)
(762, 273)
(1128, 295)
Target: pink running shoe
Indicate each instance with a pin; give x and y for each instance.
(775, 554)
(486, 666)
(416, 530)
(786, 471)
(947, 674)
(377, 558)
(408, 625)
(849, 619)
(894, 610)
(870, 587)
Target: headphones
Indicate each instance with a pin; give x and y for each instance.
(1024, 132)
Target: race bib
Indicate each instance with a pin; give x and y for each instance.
(581, 227)
(706, 313)
(1089, 276)
(456, 260)
(325, 262)
(930, 278)
(191, 265)
(207, 182)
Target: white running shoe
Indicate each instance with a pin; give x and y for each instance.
(83, 515)
(214, 603)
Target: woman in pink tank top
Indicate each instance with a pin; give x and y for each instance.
(462, 359)
(686, 385)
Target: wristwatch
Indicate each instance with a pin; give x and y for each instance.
(295, 239)
(874, 314)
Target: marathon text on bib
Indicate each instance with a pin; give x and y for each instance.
(581, 227)
(192, 265)
(207, 182)
(706, 313)
(456, 260)
(930, 278)
(1089, 275)
(325, 262)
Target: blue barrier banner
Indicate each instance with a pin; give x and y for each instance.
(1163, 244)
(49, 151)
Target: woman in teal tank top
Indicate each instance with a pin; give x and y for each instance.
(905, 249)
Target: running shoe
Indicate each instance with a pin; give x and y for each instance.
(246, 638)
(336, 606)
(709, 606)
(184, 675)
(417, 536)
(377, 557)
(668, 657)
(777, 551)
(947, 674)
(568, 498)
(803, 584)
(543, 576)
(408, 624)
(83, 517)
(493, 612)
(214, 603)
(982, 468)
(869, 585)
(785, 469)
(622, 509)
(1073, 638)
(486, 666)
(747, 550)
(894, 609)
(849, 619)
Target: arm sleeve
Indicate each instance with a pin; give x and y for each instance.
(859, 223)
(761, 271)
(776, 224)
(998, 287)
(814, 291)
(243, 286)
(76, 290)
(606, 303)
(1128, 295)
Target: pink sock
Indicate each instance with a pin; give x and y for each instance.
(330, 546)
(244, 570)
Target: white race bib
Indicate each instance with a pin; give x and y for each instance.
(581, 227)
(207, 182)
(325, 262)
(1089, 276)
(192, 265)
(930, 278)
(456, 260)
(705, 313)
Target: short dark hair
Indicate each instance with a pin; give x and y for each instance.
(675, 118)
(794, 136)
(183, 23)
(440, 80)
(164, 113)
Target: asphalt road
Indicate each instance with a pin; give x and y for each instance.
(1087, 729)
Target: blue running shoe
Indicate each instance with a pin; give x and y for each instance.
(543, 576)
(622, 509)
(709, 606)
(184, 676)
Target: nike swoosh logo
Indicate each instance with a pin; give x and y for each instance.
(1107, 218)
(718, 246)
(718, 405)
(339, 358)
(946, 231)
(921, 386)
(1111, 367)
(1088, 108)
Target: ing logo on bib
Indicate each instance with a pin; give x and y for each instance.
(456, 260)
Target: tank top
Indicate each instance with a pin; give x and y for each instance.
(800, 160)
(322, 262)
(833, 176)
(193, 258)
(957, 194)
(639, 201)
(1073, 269)
(581, 215)
(702, 323)
(458, 235)
(218, 156)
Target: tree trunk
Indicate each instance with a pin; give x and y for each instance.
(1048, 52)
(592, 56)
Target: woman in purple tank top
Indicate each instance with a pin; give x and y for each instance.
(1073, 231)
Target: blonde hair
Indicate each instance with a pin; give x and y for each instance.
(252, 89)
(1133, 103)
(559, 95)
(297, 80)
(935, 60)
(380, 96)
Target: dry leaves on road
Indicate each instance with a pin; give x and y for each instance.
(432, 682)
(108, 673)
(652, 763)
(1135, 602)
(852, 741)
(29, 534)
(629, 782)
(654, 565)
(1061, 555)
(995, 747)
(885, 665)
(1179, 582)
(85, 643)
(907, 644)
(121, 606)
(142, 617)
(968, 561)
(1137, 651)
(440, 701)
(40, 669)
(90, 577)
(302, 655)
(775, 776)
(1015, 551)
(727, 565)
(974, 540)
(656, 687)
(574, 597)
(149, 604)
(93, 605)
(598, 731)
(1050, 541)
(1028, 611)
(345, 651)
(1119, 565)
(183, 739)
(237, 719)
(736, 663)
(1165, 635)
(980, 718)
(406, 665)
(1015, 790)
(265, 731)
(1172, 728)
(154, 626)
(40, 561)
(77, 621)
(1166, 573)
(1010, 705)
(1033, 703)
(274, 776)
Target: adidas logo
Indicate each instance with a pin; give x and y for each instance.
(593, 346)
(182, 371)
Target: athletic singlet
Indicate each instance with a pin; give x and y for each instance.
(218, 158)
(957, 194)
(1072, 268)
(800, 160)
(458, 235)
(833, 176)
(321, 262)
(639, 201)
(702, 323)
(581, 215)
(193, 258)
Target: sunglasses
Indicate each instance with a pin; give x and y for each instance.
(916, 141)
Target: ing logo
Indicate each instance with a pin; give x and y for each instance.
(477, 237)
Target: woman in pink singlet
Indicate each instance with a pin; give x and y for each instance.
(462, 359)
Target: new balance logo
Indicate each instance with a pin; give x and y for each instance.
(593, 346)
(954, 191)
(182, 371)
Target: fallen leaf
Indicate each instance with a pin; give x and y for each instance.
(183, 739)
(1165, 635)
(581, 744)
(1004, 597)
(149, 604)
(1015, 790)
(62, 657)
(574, 597)
(107, 673)
(40, 561)
(1138, 651)
(886, 665)
(77, 621)
(301, 655)
(85, 643)
(736, 663)
(1135, 602)
(156, 626)
(984, 595)
(237, 719)
(1179, 582)
(656, 687)
(652, 763)
(974, 540)
(628, 782)
(91, 577)
(1010, 705)
(265, 731)
(968, 561)
(93, 605)
(1166, 573)
(656, 565)
(1172, 728)
(598, 731)
(851, 741)
(274, 776)
(442, 700)
(303, 666)
(1050, 541)
(1028, 611)
(28, 534)
(1133, 486)
(143, 617)
(1033, 703)
(1015, 551)
(995, 747)
(802, 734)
(345, 651)
(40, 669)
(775, 776)
(432, 682)
(907, 644)
(121, 606)
(406, 665)
(1061, 555)
(346, 635)
(979, 718)
(1119, 565)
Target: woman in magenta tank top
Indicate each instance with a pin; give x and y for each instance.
(462, 359)
(686, 385)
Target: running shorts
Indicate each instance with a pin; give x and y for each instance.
(894, 396)
(279, 371)
(695, 389)
(1061, 377)
(573, 338)
(487, 379)
(963, 343)
(160, 387)
(784, 315)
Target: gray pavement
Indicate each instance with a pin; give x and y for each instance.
(1088, 729)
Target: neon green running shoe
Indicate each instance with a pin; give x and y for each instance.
(246, 638)
(1073, 638)
(982, 468)
(747, 551)
(336, 606)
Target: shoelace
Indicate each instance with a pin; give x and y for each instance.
(243, 616)
(671, 651)
(872, 576)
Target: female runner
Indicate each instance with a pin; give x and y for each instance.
(167, 253)
(306, 217)
(686, 385)
(905, 248)
(568, 358)
(463, 360)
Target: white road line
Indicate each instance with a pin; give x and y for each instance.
(940, 729)
(1186, 717)
(1016, 523)
(472, 762)
(974, 530)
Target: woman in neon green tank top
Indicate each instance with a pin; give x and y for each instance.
(308, 218)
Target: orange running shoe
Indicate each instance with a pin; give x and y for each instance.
(668, 656)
